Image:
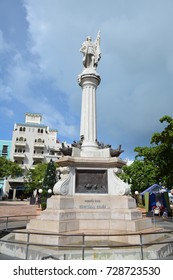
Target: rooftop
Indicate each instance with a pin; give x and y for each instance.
(32, 125)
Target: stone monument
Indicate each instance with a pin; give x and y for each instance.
(90, 166)
(89, 197)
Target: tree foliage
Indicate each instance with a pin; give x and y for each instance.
(139, 175)
(9, 168)
(153, 164)
(35, 177)
(50, 175)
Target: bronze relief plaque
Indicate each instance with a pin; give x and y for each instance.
(91, 181)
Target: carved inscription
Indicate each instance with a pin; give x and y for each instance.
(91, 181)
(92, 204)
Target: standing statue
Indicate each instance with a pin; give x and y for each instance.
(91, 52)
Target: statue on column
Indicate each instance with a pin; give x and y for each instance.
(91, 52)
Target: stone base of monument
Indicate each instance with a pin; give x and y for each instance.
(101, 215)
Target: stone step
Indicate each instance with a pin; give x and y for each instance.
(53, 226)
(94, 237)
(83, 225)
(86, 214)
(46, 239)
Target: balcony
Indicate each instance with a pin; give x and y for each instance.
(38, 156)
(20, 143)
(18, 155)
(39, 145)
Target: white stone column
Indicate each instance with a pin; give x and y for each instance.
(88, 126)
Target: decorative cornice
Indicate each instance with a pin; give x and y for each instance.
(91, 162)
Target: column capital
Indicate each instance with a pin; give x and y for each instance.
(89, 78)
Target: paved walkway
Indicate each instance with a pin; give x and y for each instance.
(19, 212)
(18, 207)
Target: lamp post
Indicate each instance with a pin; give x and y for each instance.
(39, 198)
(45, 193)
(40, 191)
(49, 192)
(136, 197)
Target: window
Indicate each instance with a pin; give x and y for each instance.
(20, 150)
(39, 140)
(5, 150)
(22, 129)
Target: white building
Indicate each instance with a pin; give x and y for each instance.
(33, 142)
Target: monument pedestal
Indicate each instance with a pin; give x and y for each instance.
(90, 175)
(89, 214)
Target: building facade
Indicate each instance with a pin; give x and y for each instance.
(34, 142)
(5, 148)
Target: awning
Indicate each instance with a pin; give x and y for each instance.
(153, 189)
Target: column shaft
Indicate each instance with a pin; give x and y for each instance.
(88, 127)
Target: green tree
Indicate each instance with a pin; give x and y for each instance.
(9, 168)
(50, 176)
(35, 177)
(160, 154)
(139, 175)
(153, 164)
(48, 182)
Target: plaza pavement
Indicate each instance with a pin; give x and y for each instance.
(16, 209)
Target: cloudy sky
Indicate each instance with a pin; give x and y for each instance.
(40, 62)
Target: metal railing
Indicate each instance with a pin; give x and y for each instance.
(11, 222)
(83, 246)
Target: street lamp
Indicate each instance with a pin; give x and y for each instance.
(39, 198)
(136, 197)
(40, 191)
(136, 192)
(49, 192)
